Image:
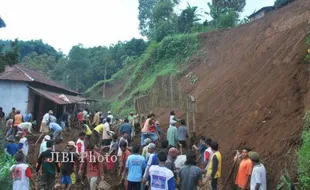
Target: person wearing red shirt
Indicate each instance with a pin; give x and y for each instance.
(21, 173)
(94, 166)
(80, 117)
(125, 154)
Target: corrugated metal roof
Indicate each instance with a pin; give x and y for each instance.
(57, 98)
(21, 73)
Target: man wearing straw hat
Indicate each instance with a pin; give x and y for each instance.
(258, 177)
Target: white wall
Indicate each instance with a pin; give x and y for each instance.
(14, 94)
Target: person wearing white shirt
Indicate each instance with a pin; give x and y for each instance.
(106, 137)
(258, 177)
(110, 116)
(44, 124)
(23, 144)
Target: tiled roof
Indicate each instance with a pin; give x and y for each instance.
(21, 73)
(57, 98)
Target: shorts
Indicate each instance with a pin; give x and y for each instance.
(44, 128)
(66, 179)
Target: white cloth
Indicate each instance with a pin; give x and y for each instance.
(46, 118)
(85, 115)
(180, 161)
(159, 177)
(211, 154)
(106, 128)
(111, 118)
(26, 126)
(79, 141)
(119, 152)
(25, 147)
(258, 176)
(20, 180)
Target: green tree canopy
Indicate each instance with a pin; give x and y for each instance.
(187, 19)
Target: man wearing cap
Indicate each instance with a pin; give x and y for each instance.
(11, 148)
(152, 160)
(23, 144)
(258, 177)
(47, 160)
(44, 124)
(43, 146)
(145, 151)
(67, 166)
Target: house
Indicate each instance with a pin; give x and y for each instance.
(32, 92)
(260, 13)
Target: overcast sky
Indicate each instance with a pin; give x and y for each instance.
(64, 23)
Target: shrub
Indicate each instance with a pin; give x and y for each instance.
(304, 155)
(282, 3)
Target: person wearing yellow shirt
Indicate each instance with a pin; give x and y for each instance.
(98, 131)
(215, 166)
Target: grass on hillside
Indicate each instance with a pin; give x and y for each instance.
(170, 56)
(164, 58)
(304, 156)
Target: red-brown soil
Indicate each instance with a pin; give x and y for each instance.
(252, 88)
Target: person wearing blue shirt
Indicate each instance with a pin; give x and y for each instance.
(135, 166)
(161, 177)
(57, 129)
(11, 148)
(126, 127)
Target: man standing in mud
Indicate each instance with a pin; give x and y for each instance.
(47, 163)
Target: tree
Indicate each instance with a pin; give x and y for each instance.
(145, 14)
(223, 17)
(282, 3)
(10, 56)
(187, 19)
(237, 5)
(163, 21)
(156, 17)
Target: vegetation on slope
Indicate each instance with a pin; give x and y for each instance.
(304, 155)
(164, 58)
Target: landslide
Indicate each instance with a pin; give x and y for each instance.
(252, 89)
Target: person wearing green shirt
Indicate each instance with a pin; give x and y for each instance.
(172, 134)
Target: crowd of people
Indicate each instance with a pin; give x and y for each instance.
(108, 148)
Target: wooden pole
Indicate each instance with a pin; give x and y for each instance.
(187, 114)
(194, 109)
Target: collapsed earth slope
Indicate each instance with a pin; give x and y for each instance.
(252, 89)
